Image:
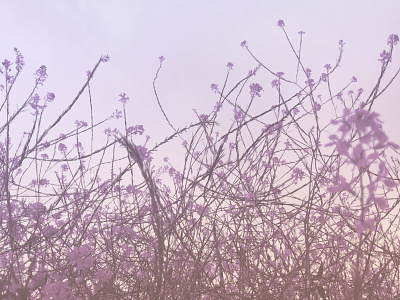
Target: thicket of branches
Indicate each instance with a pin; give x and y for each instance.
(284, 204)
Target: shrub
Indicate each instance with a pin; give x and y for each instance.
(276, 207)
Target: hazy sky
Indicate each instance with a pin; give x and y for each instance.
(197, 38)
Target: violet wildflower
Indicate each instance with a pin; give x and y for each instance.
(385, 57)
(301, 32)
(310, 82)
(108, 131)
(243, 44)
(327, 67)
(230, 65)
(117, 114)
(89, 74)
(10, 79)
(105, 58)
(317, 106)
(6, 63)
(218, 106)
(138, 129)
(341, 43)
(50, 97)
(62, 148)
(44, 182)
(255, 89)
(161, 58)
(253, 72)
(239, 115)
(80, 124)
(45, 145)
(203, 118)
(19, 60)
(135, 130)
(35, 98)
(323, 77)
(393, 39)
(214, 87)
(275, 83)
(145, 155)
(281, 23)
(34, 104)
(297, 174)
(308, 73)
(124, 98)
(41, 75)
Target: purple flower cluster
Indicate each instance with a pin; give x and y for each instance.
(41, 75)
(239, 115)
(19, 60)
(281, 23)
(34, 103)
(80, 124)
(124, 98)
(214, 87)
(138, 129)
(393, 39)
(255, 89)
(386, 57)
(105, 58)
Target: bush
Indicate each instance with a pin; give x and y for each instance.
(285, 204)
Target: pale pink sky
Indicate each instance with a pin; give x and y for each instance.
(197, 38)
